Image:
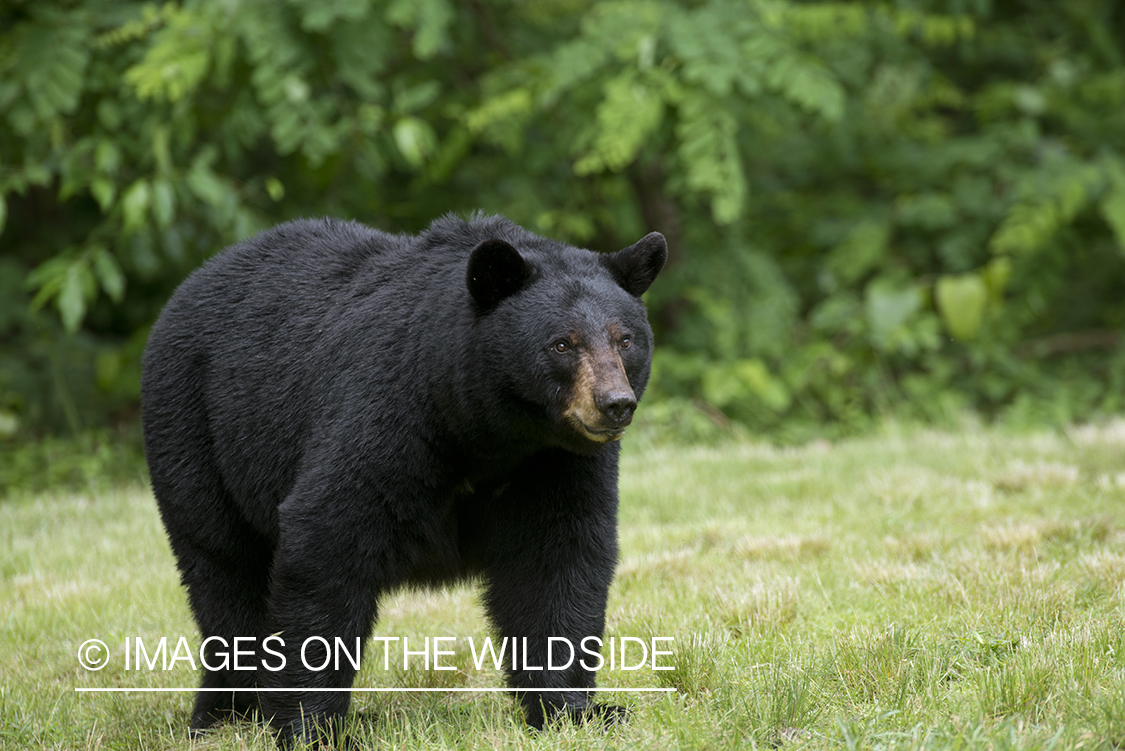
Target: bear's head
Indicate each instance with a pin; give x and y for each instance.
(566, 333)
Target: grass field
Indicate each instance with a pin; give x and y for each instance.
(907, 590)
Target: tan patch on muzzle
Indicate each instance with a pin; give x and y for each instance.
(599, 372)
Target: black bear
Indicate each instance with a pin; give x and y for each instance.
(331, 412)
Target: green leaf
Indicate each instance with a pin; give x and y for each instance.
(297, 90)
(809, 85)
(934, 210)
(109, 274)
(1026, 228)
(707, 41)
(319, 16)
(724, 384)
(626, 117)
(50, 58)
(574, 62)
(1112, 208)
(71, 301)
(135, 205)
(623, 27)
(412, 99)
(995, 276)
(362, 52)
(9, 424)
(415, 140)
(430, 20)
(205, 185)
(1053, 198)
(178, 60)
(710, 155)
(47, 279)
(275, 189)
(862, 250)
(500, 119)
(721, 386)
(107, 157)
(103, 191)
(754, 373)
(889, 307)
(163, 203)
(961, 301)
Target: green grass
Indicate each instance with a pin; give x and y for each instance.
(907, 590)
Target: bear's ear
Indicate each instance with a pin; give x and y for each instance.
(636, 267)
(496, 270)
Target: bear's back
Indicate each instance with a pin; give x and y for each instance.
(298, 258)
(245, 338)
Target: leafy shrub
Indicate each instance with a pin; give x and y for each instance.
(872, 207)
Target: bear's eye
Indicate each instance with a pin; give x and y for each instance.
(625, 342)
(562, 346)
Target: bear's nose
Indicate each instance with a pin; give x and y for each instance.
(618, 407)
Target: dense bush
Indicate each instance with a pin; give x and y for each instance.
(905, 207)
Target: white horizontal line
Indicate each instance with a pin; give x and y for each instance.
(381, 690)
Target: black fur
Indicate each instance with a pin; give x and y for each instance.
(331, 412)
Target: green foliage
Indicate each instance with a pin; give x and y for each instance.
(871, 206)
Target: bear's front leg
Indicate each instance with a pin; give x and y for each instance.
(550, 553)
(323, 596)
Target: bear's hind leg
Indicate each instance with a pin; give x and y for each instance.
(228, 594)
(224, 563)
